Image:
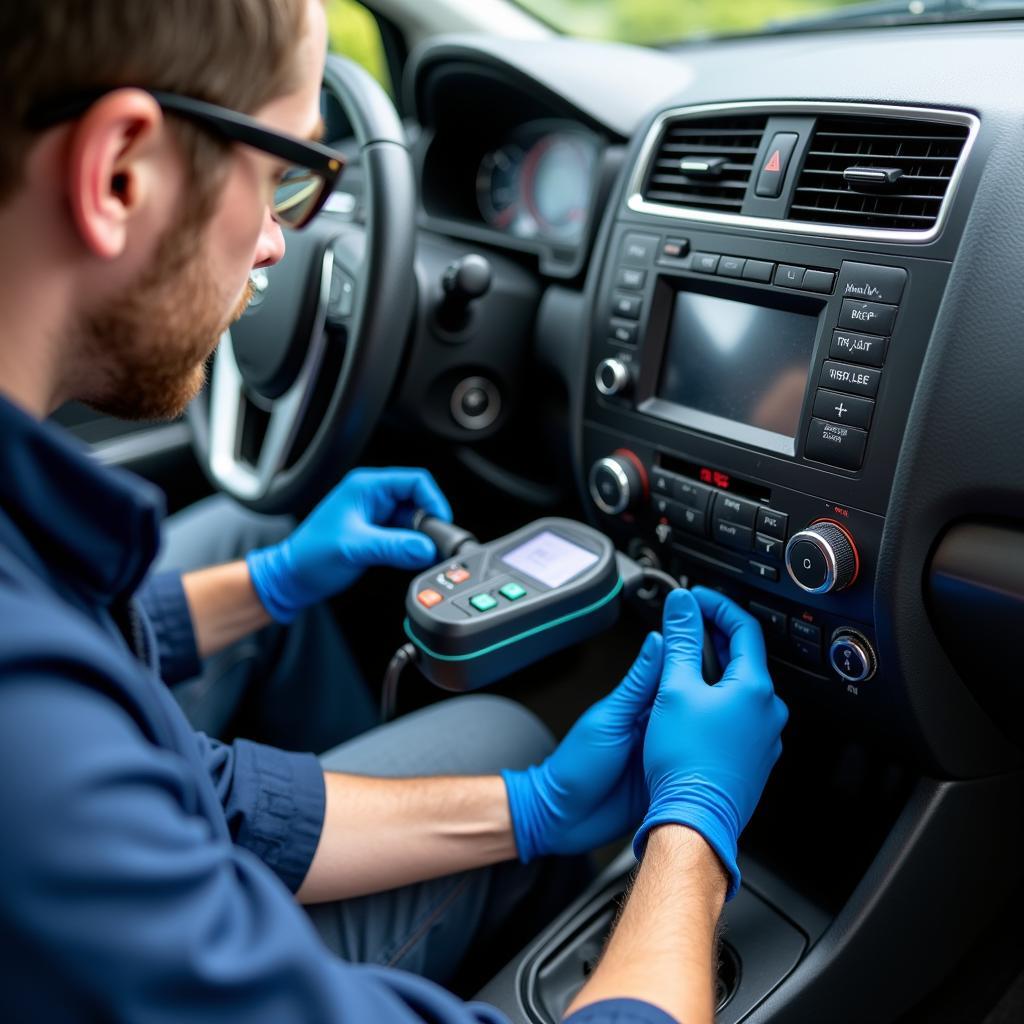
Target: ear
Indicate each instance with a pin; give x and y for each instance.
(112, 172)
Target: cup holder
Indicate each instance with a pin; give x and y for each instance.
(558, 971)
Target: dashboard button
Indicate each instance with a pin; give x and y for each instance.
(855, 380)
(767, 547)
(773, 621)
(805, 631)
(772, 523)
(758, 270)
(871, 283)
(789, 277)
(631, 277)
(692, 520)
(704, 262)
(663, 484)
(732, 535)
(691, 493)
(807, 652)
(835, 444)
(627, 306)
(675, 248)
(776, 163)
(428, 598)
(848, 409)
(735, 510)
(867, 316)
(731, 266)
(623, 333)
(819, 281)
(858, 348)
(638, 250)
(661, 506)
(766, 572)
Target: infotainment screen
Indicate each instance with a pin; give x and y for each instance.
(739, 369)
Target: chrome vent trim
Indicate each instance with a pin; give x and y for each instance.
(636, 202)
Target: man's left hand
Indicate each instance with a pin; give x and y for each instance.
(591, 790)
(364, 521)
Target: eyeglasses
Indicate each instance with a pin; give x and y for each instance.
(303, 187)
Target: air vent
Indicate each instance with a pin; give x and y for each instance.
(705, 163)
(883, 173)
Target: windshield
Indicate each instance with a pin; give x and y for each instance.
(666, 21)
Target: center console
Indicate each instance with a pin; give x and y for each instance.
(745, 405)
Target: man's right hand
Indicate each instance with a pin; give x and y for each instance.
(709, 749)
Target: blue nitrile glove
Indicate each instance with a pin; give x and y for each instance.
(709, 749)
(591, 789)
(362, 522)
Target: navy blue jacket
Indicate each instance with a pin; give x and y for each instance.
(147, 871)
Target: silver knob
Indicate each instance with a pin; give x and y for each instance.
(822, 558)
(851, 656)
(612, 377)
(615, 483)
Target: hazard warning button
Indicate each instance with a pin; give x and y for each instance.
(774, 164)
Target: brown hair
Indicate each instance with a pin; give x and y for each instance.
(238, 53)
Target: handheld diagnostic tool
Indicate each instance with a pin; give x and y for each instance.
(499, 606)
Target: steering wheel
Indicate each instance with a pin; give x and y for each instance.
(298, 383)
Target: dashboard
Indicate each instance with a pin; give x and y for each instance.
(781, 358)
(762, 294)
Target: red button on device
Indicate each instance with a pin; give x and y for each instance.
(458, 575)
(428, 598)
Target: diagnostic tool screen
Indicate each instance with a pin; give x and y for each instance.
(739, 362)
(551, 559)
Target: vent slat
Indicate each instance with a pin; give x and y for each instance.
(926, 152)
(735, 139)
(683, 150)
(695, 199)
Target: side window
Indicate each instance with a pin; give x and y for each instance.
(354, 33)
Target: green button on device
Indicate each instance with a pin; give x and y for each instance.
(513, 591)
(483, 602)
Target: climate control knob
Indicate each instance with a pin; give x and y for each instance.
(822, 558)
(612, 377)
(851, 656)
(617, 482)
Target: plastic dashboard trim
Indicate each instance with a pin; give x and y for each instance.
(638, 204)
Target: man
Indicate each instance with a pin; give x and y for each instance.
(148, 871)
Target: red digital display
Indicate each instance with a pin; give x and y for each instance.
(715, 478)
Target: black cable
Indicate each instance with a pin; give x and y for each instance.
(712, 670)
(389, 689)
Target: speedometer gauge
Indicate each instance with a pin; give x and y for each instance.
(497, 186)
(539, 184)
(556, 183)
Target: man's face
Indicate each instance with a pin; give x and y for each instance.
(153, 341)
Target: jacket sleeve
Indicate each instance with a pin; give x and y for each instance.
(620, 1011)
(273, 800)
(121, 902)
(162, 597)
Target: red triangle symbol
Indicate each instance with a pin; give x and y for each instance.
(774, 164)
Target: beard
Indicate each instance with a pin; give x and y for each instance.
(150, 346)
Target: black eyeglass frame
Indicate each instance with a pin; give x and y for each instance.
(230, 125)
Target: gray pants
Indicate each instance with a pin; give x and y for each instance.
(307, 670)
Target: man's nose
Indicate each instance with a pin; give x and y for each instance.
(270, 247)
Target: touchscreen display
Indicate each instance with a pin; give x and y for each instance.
(550, 559)
(738, 361)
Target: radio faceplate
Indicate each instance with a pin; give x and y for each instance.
(775, 359)
(747, 400)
